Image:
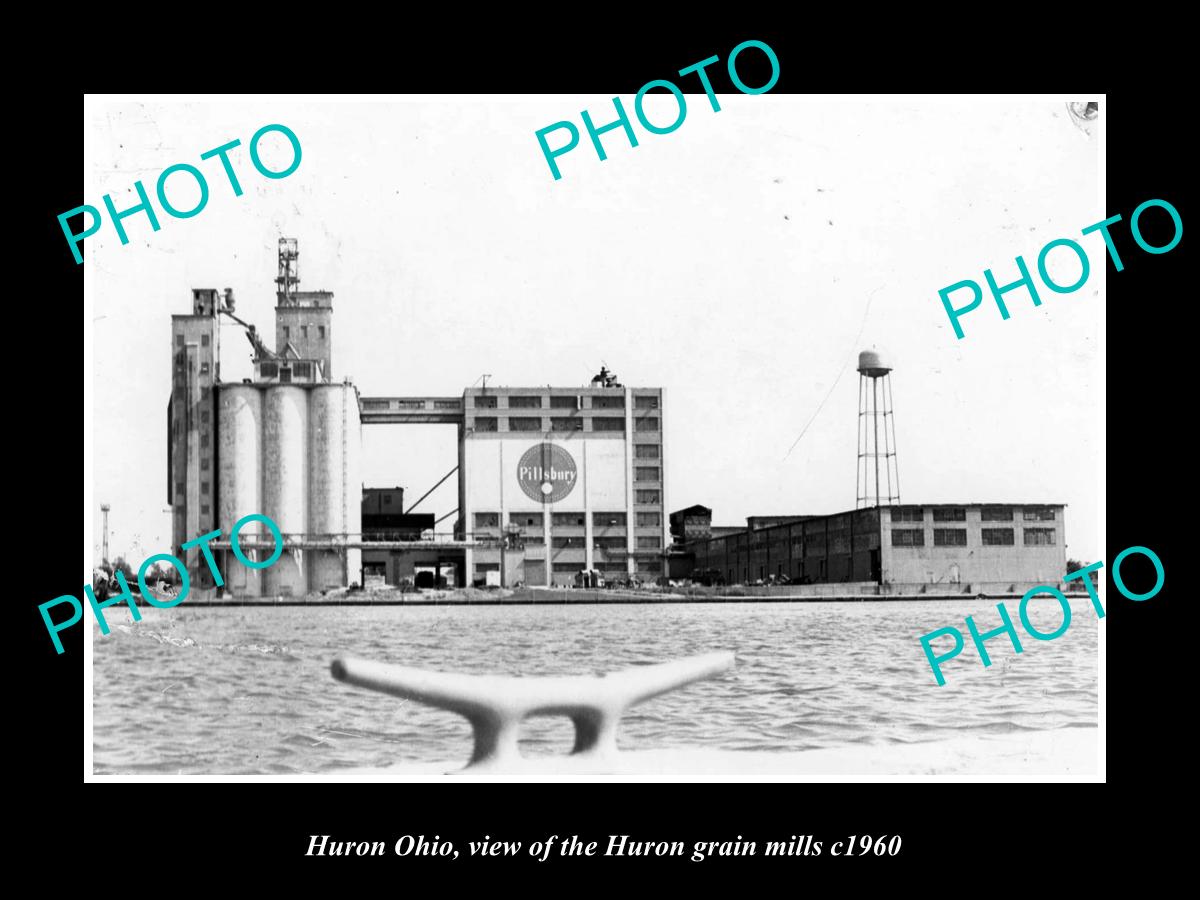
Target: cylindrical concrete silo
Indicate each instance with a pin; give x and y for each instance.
(285, 482)
(327, 516)
(239, 451)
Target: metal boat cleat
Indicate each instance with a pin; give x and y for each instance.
(495, 705)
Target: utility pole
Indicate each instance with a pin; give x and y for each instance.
(104, 508)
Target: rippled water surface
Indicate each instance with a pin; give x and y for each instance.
(248, 690)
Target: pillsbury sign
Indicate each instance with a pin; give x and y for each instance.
(546, 473)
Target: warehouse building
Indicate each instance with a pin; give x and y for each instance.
(385, 523)
(934, 548)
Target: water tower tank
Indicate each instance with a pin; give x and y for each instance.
(871, 364)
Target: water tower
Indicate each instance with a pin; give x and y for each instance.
(875, 417)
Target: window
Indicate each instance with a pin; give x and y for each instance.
(562, 542)
(997, 537)
(204, 437)
(485, 424)
(446, 404)
(609, 402)
(949, 537)
(526, 520)
(567, 568)
(204, 465)
(302, 369)
(1039, 514)
(285, 375)
(907, 514)
(204, 368)
(996, 514)
(268, 369)
(564, 403)
(487, 520)
(562, 423)
(524, 423)
(645, 402)
(949, 514)
(204, 416)
(650, 423)
(648, 497)
(649, 519)
(646, 473)
(568, 519)
(179, 340)
(649, 566)
(287, 332)
(608, 424)
(204, 340)
(204, 487)
(524, 402)
(609, 543)
(1039, 537)
(304, 331)
(649, 542)
(321, 332)
(604, 519)
(485, 402)
(204, 511)
(908, 537)
(646, 451)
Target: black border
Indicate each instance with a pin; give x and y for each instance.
(970, 832)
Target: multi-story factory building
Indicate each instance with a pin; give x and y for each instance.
(555, 481)
(933, 548)
(191, 428)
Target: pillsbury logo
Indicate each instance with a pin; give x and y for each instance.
(546, 473)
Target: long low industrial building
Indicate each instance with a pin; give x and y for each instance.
(932, 548)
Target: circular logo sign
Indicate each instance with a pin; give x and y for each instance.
(546, 473)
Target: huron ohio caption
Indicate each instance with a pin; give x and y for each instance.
(618, 845)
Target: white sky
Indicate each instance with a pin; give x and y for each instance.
(729, 262)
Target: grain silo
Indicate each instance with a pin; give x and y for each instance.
(239, 483)
(285, 482)
(334, 483)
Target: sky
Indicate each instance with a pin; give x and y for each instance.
(740, 263)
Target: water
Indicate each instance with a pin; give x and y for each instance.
(248, 690)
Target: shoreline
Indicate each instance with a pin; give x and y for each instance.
(567, 597)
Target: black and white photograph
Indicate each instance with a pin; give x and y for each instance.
(688, 435)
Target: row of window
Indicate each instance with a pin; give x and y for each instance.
(644, 542)
(609, 569)
(302, 370)
(534, 519)
(517, 401)
(205, 368)
(563, 423)
(959, 514)
(287, 331)
(179, 339)
(957, 537)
